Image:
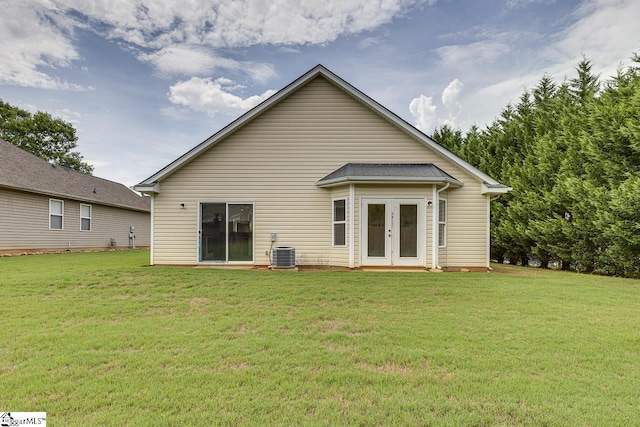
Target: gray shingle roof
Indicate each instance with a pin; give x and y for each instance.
(23, 171)
(388, 172)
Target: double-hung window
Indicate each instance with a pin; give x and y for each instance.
(340, 222)
(56, 214)
(85, 217)
(442, 223)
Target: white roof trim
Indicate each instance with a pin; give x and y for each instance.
(494, 189)
(148, 188)
(318, 70)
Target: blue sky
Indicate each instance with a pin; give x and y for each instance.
(145, 81)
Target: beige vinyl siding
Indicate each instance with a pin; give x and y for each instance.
(24, 224)
(466, 227)
(274, 161)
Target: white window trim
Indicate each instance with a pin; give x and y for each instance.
(60, 215)
(443, 222)
(334, 222)
(86, 217)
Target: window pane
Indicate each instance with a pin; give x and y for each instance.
(240, 232)
(85, 211)
(55, 207)
(213, 244)
(442, 212)
(376, 230)
(85, 224)
(441, 234)
(339, 211)
(56, 222)
(339, 235)
(408, 230)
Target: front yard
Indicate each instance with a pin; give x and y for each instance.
(103, 339)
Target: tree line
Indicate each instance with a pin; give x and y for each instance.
(571, 153)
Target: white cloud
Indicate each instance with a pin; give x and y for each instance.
(451, 101)
(498, 66)
(65, 114)
(176, 35)
(465, 55)
(33, 43)
(424, 112)
(212, 96)
(223, 23)
(181, 60)
(512, 4)
(606, 31)
(199, 61)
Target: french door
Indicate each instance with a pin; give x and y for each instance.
(393, 232)
(225, 232)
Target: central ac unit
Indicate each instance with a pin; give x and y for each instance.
(284, 257)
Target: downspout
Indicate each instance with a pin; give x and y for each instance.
(151, 225)
(436, 207)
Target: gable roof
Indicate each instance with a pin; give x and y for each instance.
(405, 173)
(150, 184)
(23, 171)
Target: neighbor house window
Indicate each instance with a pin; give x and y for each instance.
(56, 212)
(442, 223)
(340, 222)
(85, 217)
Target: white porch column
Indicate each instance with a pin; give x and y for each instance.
(434, 228)
(352, 227)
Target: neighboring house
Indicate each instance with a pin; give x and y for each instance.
(322, 168)
(49, 207)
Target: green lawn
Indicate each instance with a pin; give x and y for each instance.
(103, 339)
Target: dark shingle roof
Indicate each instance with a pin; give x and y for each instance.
(23, 171)
(388, 172)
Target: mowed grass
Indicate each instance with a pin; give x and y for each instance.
(103, 339)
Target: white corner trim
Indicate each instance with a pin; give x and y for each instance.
(352, 215)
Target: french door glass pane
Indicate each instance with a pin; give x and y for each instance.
(240, 232)
(213, 243)
(408, 230)
(376, 230)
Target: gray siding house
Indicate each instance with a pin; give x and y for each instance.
(47, 207)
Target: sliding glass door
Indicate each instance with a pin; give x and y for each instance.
(226, 232)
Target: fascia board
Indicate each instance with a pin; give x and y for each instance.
(153, 188)
(494, 189)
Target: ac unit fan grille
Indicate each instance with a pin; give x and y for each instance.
(284, 257)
